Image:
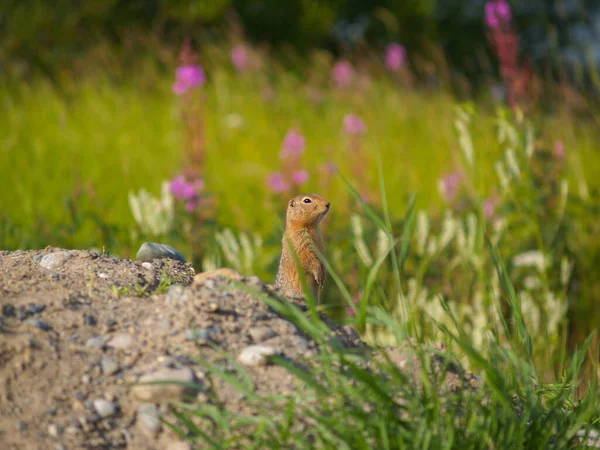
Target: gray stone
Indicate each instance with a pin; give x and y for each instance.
(260, 334)
(256, 355)
(39, 324)
(109, 365)
(34, 308)
(150, 251)
(21, 426)
(166, 392)
(149, 417)
(96, 342)
(104, 408)
(55, 259)
(121, 341)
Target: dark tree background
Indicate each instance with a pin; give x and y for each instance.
(43, 35)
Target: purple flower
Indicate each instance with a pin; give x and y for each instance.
(497, 12)
(353, 125)
(300, 177)
(188, 77)
(489, 207)
(559, 149)
(293, 145)
(184, 190)
(277, 183)
(240, 57)
(342, 73)
(395, 56)
(449, 185)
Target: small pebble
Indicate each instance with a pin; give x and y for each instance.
(54, 260)
(147, 392)
(37, 257)
(54, 430)
(210, 283)
(34, 308)
(51, 411)
(121, 341)
(21, 426)
(96, 342)
(104, 408)
(72, 430)
(149, 417)
(85, 379)
(102, 275)
(147, 265)
(39, 324)
(80, 395)
(256, 355)
(90, 320)
(260, 334)
(9, 310)
(109, 365)
(165, 324)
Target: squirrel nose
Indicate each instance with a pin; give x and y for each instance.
(327, 205)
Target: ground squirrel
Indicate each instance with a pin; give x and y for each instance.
(302, 233)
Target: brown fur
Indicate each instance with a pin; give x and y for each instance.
(302, 234)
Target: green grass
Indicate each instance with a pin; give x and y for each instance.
(72, 151)
(353, 400)
(103, 139)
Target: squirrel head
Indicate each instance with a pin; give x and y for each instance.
(306, 210)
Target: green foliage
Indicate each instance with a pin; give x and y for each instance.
(361, 400)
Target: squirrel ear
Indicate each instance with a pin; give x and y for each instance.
(291, 202)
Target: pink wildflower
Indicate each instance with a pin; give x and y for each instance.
(497, 12)
(300, 177)
(185, 190)
(342, 73)
(277, 182)
(449, 185)
(188, 77)
(293, 145)
(395, 56)
(353, 125)
(240, 57)
(489, 206)
(559, 149)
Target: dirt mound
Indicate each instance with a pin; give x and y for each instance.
(79, 331)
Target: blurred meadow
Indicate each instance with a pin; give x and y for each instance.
(409, 147)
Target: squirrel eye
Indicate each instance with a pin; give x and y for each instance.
(307, 200)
